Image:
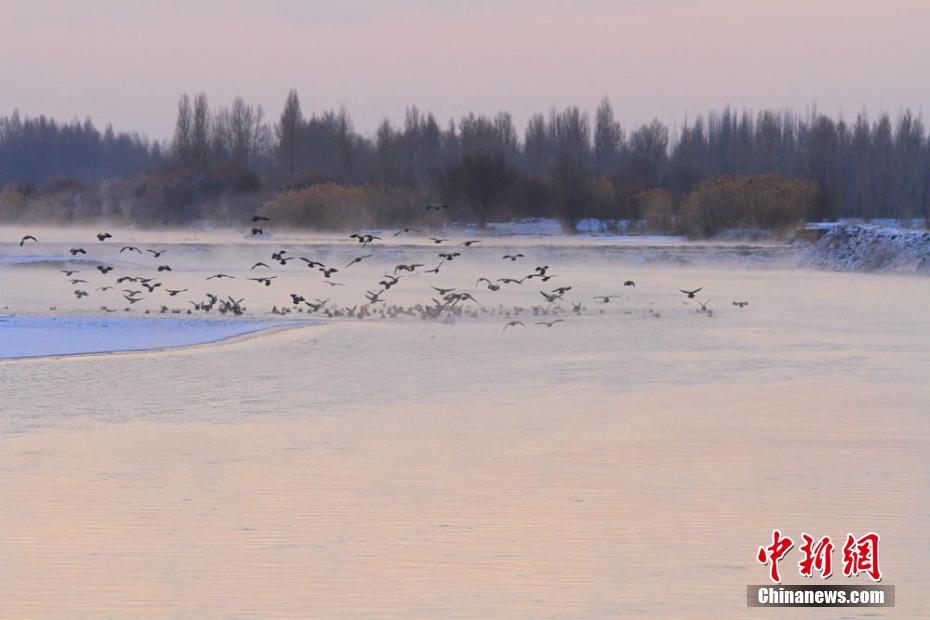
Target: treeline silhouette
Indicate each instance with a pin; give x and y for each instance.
(316, 170)
(37, 150)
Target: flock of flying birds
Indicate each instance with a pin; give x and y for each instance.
(446, 303)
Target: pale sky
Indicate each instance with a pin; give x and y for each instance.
(127, 61)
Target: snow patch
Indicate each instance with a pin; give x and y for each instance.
(871, 248)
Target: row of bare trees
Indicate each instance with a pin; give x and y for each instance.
(566, 164)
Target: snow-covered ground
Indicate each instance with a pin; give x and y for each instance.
(38, 336)
(871, 248)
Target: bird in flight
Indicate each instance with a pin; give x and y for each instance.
(491, 285)
(374, 297)
(104, 236)
(129, 248)
(512, 257)
(513, 324)
(549, 323)
(511, 280)
(311, 263)
(357, 260)
(436, 240)
(77, 281)
(173, 292)
(442, 291)
(156, 254)
(70, 272)
(411, 267)
(363, 239)
(405, 230)
(741, 304)
(327, 272)
(76, 251)
(260, 218)
(605, 299)
(164, 268)
(265, 281)
(80, 294)
(629, 283)
(104, 269)
(257, 231)
(260, 265)
(220, 276)
(23, 241)
(470, 242)
(691, 294)
(450, 255)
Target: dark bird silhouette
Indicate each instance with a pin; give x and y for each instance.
(312, 263)
(374, 297)
(129, 248)
(513, 324)
(551, 297)
(284, 259)
(434, 269)
(132, 300)
(317, 306)
(437, 240)
(257, 231)
(164, 268)
(388, 281)
(70, 272)
(104, 269)
(122, 279)
(411, 267)
(562, 290)
(76, 251)
(220, 276)
(80, 294)
(363, 239)
(511, 280)
(77, 281)
(691, 294)
(333, 283)
(104, 236)
(471, 242)
(442, 291)
(156, 254)
(265, 281)
(151, 287)
(357, 260)
(256, 265)
(405, 230)
(491, 285)
(327, 272)
(605, 299)
(741, 304)
(175, 292)
(23, 241)
(278, 255)
(549, 323)
(297, 298)
(703, 305)
(629, 283)
(512, 257)
(436, 207)
(260, 218)
(450, 255)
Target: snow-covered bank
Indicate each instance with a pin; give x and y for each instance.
(871, 248)
(39, 336)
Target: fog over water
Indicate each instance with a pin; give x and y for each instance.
(615, 464)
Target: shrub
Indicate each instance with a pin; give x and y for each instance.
(767, 202)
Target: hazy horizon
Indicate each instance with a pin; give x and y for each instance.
(126, 63)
